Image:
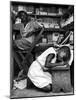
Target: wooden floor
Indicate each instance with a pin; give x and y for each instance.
(25, 93)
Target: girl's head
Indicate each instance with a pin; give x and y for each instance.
(64, 54)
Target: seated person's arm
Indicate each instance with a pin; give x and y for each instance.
(48, 60)
(50, 65)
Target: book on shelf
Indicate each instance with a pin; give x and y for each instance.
(49, 38)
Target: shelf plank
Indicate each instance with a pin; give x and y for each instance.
(55, 30)
(52, 16)
(42, 47)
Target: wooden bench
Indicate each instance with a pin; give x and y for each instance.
(61, 79)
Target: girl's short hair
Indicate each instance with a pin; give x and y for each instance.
(64, 53)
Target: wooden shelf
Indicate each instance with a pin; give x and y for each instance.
(52, 16)
(42, 47)
(55, 30)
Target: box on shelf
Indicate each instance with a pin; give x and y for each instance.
(52, 14)
(44, 40)
(20, 8)
(28, 9)
(46, 25)
(55, 36)
(51, 25)
(52, 10)
(43, 11)
(57, 26)
(29, 12)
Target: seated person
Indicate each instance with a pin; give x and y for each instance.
(37, 73)
(28, 36)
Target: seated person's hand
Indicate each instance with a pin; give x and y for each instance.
(64, 65)
(49, 59)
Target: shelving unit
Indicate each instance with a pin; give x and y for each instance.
(53, 13)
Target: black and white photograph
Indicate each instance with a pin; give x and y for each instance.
(42, 49)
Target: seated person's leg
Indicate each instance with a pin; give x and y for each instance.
(47, 88)
(29, 84)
